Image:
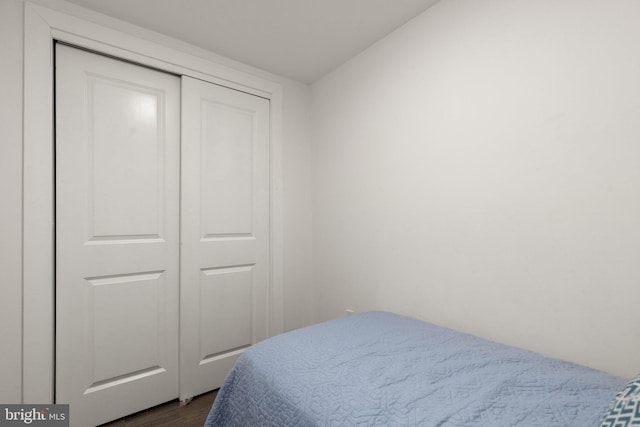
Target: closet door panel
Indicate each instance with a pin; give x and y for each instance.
(227, 150)
(117, 236)
(225, 231)
(126, 140)
(225, 299)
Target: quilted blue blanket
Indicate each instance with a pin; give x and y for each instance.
(382, 369)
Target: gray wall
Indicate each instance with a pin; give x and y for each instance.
(11, 197)
(480, 168)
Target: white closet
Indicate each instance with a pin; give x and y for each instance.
(162, 245)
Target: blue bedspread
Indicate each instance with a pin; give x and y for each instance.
(382, 369)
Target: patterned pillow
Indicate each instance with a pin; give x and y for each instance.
(624, 411)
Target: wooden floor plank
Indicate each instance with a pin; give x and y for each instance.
(170, 414)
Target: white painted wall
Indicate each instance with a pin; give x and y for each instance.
(11, 205)
(299, 302)
(299, 309)
(480, 168)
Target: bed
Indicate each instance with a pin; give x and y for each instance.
(383, 369)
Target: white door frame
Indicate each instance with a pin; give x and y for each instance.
(42, 27)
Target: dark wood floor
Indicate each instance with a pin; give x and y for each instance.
(171, 414)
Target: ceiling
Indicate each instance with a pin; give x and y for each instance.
(299, 39)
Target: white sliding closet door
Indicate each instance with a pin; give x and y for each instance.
(117, 231)
(225, 231)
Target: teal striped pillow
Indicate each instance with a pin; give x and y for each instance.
(624, 411)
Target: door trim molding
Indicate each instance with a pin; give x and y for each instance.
(42, 27)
